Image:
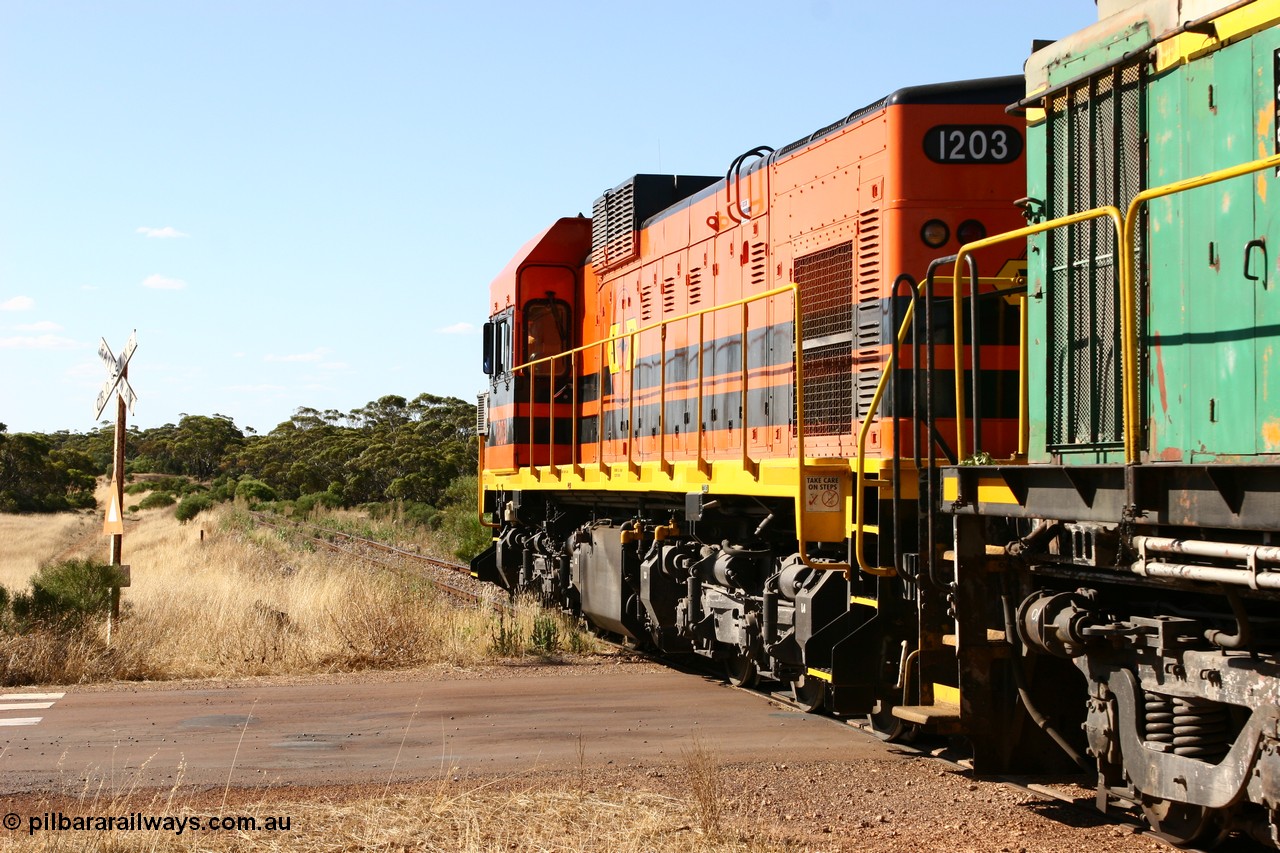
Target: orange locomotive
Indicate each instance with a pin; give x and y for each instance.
(703, 423)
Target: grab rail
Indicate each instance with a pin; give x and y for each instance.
(630, 336)
(1128, 317)
(1109, 211)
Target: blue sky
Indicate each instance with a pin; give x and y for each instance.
(303, 203)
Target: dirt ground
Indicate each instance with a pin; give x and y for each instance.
(871, 797)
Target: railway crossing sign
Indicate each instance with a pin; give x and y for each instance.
(113, 524)
(117, 367)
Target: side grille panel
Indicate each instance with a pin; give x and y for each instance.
(825, 279)
(1095, 143)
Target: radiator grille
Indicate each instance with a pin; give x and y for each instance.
(828, 390)
(825, 279)
(826, 291)
(1096, 142)
(613, 228)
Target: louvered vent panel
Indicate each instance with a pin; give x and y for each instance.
(482, 413)
(668, 296)
(646, 303)
(695, 287)
(825, 279)
(868, 315)
(613, 228)
(759, 264)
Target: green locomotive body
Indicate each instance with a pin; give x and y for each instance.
(1130, 555)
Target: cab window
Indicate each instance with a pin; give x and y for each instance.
(497, 347)
(546, 327)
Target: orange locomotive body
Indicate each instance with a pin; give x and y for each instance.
(650, 457)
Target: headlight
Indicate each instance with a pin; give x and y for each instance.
(935, 233)
(971, 230)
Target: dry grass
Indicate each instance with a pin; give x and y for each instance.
(26, 541)
(438, 816)
(215, 598)
(705, 786)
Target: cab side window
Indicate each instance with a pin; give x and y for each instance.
(497, 347)
(546, 326)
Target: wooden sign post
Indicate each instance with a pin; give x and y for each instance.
(113, 524)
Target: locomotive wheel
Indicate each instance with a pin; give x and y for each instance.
(1182, 823)
(741, 670)
(889, 727)
(810, 693)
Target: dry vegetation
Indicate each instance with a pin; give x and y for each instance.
(438, 816)
(218, 598)
(26, 541)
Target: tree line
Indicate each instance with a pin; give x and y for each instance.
(392, 449)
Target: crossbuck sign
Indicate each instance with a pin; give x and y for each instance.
(116, 367)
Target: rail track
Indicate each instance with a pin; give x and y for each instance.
(452, 579)
(455, 581)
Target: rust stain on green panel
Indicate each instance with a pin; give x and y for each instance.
(1271, 435)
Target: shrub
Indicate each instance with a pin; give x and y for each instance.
(156, 499)
(67, 593)
(545, 636)
(459, 522)
(255, 491)
(191, 506)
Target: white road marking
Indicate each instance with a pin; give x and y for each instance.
(26, 702)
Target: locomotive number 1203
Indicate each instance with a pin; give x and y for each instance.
(972, 143)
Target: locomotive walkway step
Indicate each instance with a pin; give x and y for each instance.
(942, 718)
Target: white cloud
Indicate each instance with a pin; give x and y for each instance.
(18, 303)
(45, 342)
(314, 355)
(161, 282)
(42, 326)
(168, 232)
(457, 329)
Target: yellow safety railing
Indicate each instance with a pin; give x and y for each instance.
(749, 465)
(1125, 286)
(1128, 299)
(860, 465)
(631, 357)
(1127, 226)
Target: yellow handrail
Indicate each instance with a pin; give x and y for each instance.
(957, 319)
(790, 288)
(860, 467)
(798, 321)
(631, 336)
(1128, 317)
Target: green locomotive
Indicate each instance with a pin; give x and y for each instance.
(1120, 575)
